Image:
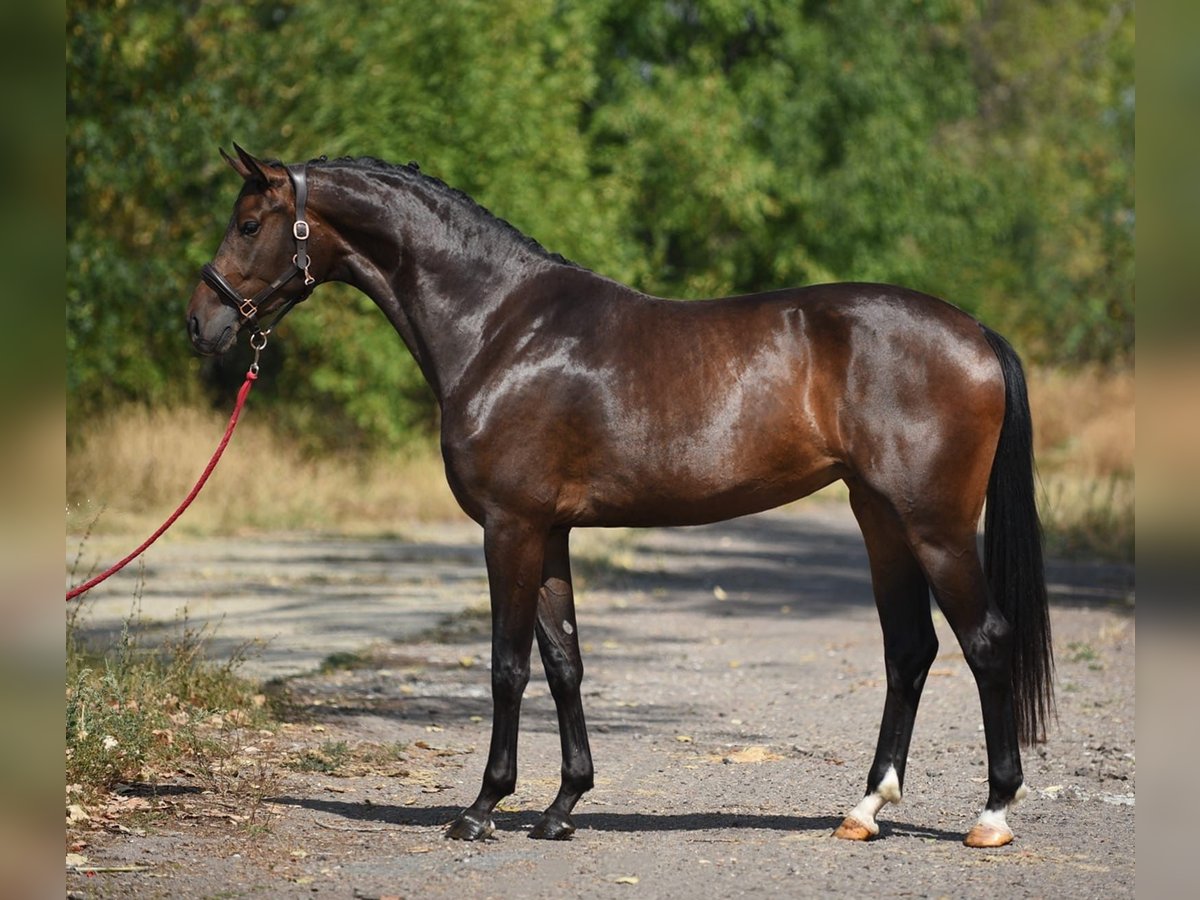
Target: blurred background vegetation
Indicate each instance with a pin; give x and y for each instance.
(979, 151)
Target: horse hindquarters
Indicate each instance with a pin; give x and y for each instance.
(999, 619)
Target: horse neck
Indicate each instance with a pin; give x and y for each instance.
(440, 270)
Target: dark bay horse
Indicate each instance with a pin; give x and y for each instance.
(571, 400)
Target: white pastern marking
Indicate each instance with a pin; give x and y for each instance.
(865, 812)
(994, 818)
(889, 788)
(870, 805)
(1021, 794)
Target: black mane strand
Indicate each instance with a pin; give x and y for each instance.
(412, 172)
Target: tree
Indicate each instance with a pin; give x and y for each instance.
(978, 151)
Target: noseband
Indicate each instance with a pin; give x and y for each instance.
(247, 307)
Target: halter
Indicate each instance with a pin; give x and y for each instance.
(247, 307)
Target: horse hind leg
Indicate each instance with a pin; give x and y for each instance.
(558, 642)
(910, 645)
(986, 637)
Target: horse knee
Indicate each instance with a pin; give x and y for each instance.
(509, 679)
(578, 775)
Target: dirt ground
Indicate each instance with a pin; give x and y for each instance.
(733, 691)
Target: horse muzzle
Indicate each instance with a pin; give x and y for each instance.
(212, 326)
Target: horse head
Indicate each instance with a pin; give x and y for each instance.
(263, 264)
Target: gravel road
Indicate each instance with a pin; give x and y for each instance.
(733, 691)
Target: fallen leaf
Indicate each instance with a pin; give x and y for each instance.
(752, 754)
(626, 879)
(683, 738)
(76, 813)
(719, 593)
(76, 859)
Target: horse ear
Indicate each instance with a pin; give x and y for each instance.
(246, 166)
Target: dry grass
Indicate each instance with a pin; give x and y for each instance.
(1083, 422)
(1084, 432)
(138, 464)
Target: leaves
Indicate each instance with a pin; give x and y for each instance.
(983, 153)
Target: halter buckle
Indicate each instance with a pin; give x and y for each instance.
(247, 309)
(300, 230)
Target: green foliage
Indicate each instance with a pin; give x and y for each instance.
(982, 152)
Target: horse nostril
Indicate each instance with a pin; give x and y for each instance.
(194, 327)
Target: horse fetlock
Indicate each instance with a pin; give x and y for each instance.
(577, 781)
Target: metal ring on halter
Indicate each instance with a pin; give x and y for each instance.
(308, 279)
(258, 342)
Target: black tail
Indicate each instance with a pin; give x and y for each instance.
(1013, 552)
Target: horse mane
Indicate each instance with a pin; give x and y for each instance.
(412, 172)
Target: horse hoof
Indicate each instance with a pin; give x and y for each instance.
(987, 835)
(553, 827)
(853, 830)
(470, 826)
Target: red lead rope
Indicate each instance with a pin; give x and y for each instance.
(251, 375)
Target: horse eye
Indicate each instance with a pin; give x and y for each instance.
(250, 227)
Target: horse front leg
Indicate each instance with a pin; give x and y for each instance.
(558, 642)
(514, 551)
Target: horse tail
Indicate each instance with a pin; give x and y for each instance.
(1013, 552)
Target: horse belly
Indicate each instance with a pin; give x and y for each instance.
(702, 463)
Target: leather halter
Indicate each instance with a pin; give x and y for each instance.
(247, 307)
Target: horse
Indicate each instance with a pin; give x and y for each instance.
(570, 400)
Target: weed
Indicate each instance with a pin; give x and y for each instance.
(135, 713)
(344, 659)
(1081, 652)
(327, 758)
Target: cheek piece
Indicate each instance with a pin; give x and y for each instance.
(247, 307)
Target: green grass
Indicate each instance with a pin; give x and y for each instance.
(328, 758)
